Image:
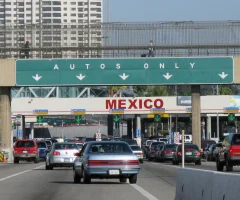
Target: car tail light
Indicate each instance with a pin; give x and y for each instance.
(76, 153)
(231, 151)
(179, 153)
(56, 153)
(198, 153)
(189, 149)
(151, 152)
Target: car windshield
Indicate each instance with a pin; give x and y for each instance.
(79, 146)
(48, 142)
(65, 146)
(25, 144)
(110, 148)
(41, 145)
(136, 148)
(236, 139)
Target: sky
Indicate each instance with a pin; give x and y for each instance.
(171, 10)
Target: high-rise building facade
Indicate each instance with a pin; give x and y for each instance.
(50, 23)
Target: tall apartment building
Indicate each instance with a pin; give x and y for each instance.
(50, 23)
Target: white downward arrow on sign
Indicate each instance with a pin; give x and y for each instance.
(124, 76)
(223, 75)
(80, 77)
(167, 76)
(37, 78)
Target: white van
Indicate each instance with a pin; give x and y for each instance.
(187, 138)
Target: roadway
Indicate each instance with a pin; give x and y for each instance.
(29, 181)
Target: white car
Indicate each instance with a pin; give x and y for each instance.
(137, 150)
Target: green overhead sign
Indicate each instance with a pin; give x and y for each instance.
(231, 117)
(124, 71)
(40, 118)
(78, 118)
(157, 118)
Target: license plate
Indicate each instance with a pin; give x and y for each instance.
(114, 172)
(66, 159)
(24, 151)
(188, 153)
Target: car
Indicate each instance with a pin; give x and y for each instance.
(228, 153)
(42, 149)
(25, 149)
(106, 159)
(192, 154)
(138, 151)
(167, 152)
(61, 155)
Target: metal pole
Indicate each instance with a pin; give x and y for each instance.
(122, 128)
(62, 129)
(217, 126)
(183, 157)
(132, 130)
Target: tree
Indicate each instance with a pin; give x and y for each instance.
(225, 91)
(140, 90)
(114, 89)
(157, 91)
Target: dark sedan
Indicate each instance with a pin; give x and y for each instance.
(192, 154)
(167, 152)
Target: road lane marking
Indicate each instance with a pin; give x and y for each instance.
(144, 192)
(17, 174)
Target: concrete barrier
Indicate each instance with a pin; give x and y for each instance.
(194, 184)
(207, 185)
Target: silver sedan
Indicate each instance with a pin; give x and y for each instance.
(108, 159)
(61, 155)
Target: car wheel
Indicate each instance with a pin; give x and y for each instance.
(86, 177)
(76, 177)
(150, 159)
(123, 180)
(133, 179)
(173, 162)
(229, 167)
(141, 161)
(198, 162)
(16, 161)
(219, 165)
(176, 163)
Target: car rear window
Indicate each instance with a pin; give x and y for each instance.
(48, 143)
(170, 146)
(236, 140)
(27, 144)
(110, 148)
(79, 146)
(65, 146)
(41, 145)
(135, 148)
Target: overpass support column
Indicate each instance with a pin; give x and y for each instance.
(129, 128)
(209, 127)
(5, 121)
(32, 130)
(196, 115)
(24, 133)
(110, 125)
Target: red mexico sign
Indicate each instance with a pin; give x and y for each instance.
(133, 103)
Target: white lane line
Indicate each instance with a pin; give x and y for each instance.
(144, 192)
(17, 174)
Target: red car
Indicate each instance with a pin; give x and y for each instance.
(25, 150)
